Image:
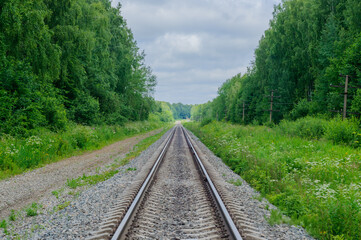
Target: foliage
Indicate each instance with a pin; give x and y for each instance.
(162, 112)
(308, 45)
(315, 183)
(42, 147)
(308, 127)
(69, 60)
(339, 131)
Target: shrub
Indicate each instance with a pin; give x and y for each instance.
(302, 109)
(206, 122)
(339, 131)
(308, 127)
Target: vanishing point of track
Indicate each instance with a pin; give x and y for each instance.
(177, 197)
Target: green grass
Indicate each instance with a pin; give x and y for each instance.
(18, 155)
(314, 182)
(91, 179)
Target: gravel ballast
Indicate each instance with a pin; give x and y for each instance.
(81, 217)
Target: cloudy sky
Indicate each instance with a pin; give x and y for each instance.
(193, 46)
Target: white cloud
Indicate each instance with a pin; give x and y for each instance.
(174, 43)
(194, 46)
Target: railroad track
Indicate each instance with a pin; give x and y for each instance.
(177, 196)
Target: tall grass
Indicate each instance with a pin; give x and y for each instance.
(19, 154)
(336, 130)
(316, 183)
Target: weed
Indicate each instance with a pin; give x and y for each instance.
(258, 197)
(61, 206)
(56, 194)
(90, 180)
(237, 182)
(74, 193)
(32, 210)
(36, 227)
(72, 183)
(276, 218)
(130, 169)
(4, 225)
(12, 216)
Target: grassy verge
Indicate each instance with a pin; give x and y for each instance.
(316, 183)
(18, 155)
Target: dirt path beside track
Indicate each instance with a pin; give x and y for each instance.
(21, 190)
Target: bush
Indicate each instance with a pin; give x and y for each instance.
(308, 127)
(206, 122)
(339, 131)
(85, 110)
(302, 109)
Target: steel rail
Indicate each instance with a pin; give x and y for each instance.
(126, 219)
(226, 216)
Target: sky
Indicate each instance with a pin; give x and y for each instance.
(193, 46)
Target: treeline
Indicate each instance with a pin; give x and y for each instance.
(180, 110)
(308, 45)
(69, 60)
(167, 112)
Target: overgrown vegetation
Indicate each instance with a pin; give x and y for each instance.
(335, 130)
(308, 45)
(20, 154)
(314, 182)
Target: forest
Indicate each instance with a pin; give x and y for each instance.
(309, 48)
(69, 61)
